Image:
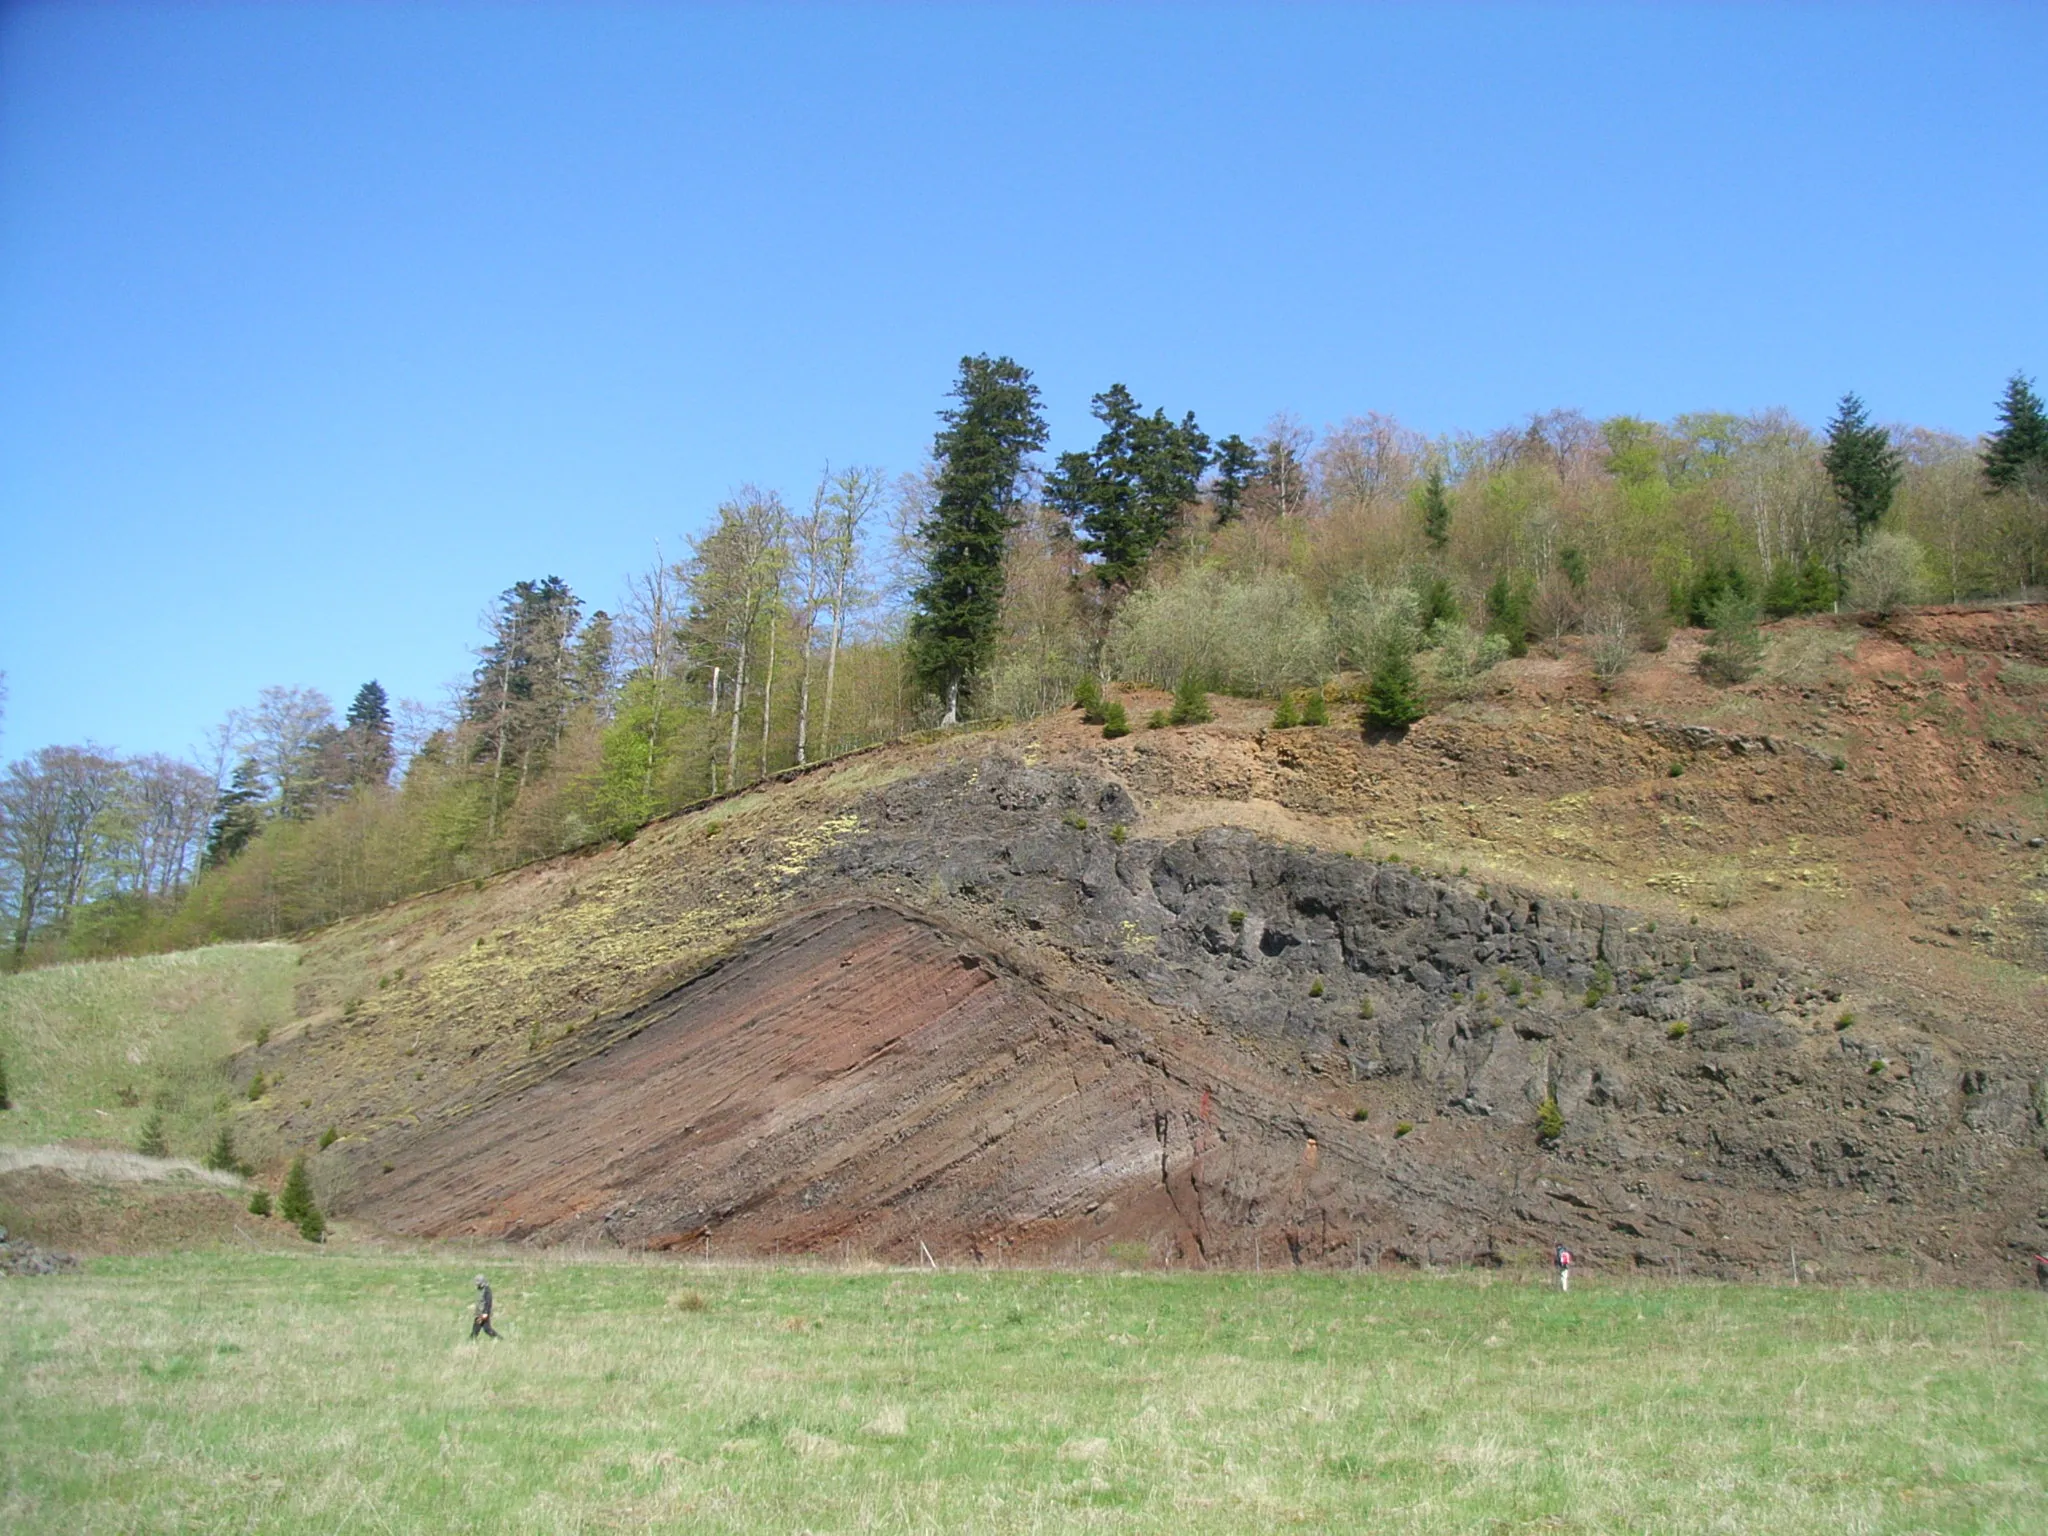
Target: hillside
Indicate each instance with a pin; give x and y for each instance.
(1029, 992)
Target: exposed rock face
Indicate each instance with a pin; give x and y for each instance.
(1011, 1023)
(20, 1257)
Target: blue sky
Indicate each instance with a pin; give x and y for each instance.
(321, 325)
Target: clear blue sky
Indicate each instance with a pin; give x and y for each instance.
(319, 326)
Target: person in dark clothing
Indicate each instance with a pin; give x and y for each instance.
(482, 1321)
(2041, 1270)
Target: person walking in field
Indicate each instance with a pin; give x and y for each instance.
(1563, 1260)
(482, 1321)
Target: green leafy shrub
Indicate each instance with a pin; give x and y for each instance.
(1315, 710)
(1315, 988)
(1114, 724)
(1365, 1008)
(1549, 1119)
(1119, 834)
(1678, 1030)
(1158, 720)
(259, 1203)
(1284, 718)
(153, 1142)
(1075, 820)
(256, 1087)
(1846, 1021)
(1402, 1128)
(1361, 1113)
(1237, 917)
(1603, 983)
(328, 1138)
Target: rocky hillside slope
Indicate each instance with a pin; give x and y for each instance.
(1236, 995)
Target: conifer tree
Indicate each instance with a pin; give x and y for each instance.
(1436, 510)
(1190, 701)
(153, 1142)
(1315, 710)
(1114, 721)
(221, 1156)
(1124, 496)
(237, 815)
(1237, 462)
(2018, 450)
(259, 1203)
(365, 741)
(1284, 718)
(1863, 466)
(1394, 701)
(296, 1203)
(981, 452)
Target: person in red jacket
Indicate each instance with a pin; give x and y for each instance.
(1563, 1260)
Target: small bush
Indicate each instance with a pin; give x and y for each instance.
(1361, 1113)
(1114, 723)
(256, 1087)
(1315, 988)
(1603, 983)
(1675, 771)
(328, 1138)
(221, 1156)
(1878, 1066)
(1736, 650)
(1888, 572)
(1847, 1019)
(262, 1034)
(1838, 764)
(1678, 1031)
(1088, 699)
(354, 1005)
(1158, 720)
(259, 1203)
(1404, 1127)
(1237, 917)
(153, 1142)
(1119, 834)
(689, 1301)
(1315, 710)
(1075, 820)
(1365, 1008)
(1190, 702)
(1549, 1120)
(1284, 718)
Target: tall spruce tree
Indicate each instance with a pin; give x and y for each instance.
(980, 452)
(364, 744)
(1236, 462)
(237, 815)
(1862, 465)
(2018, 451)
(1436, 510)
(1124, 496)
(519, 698)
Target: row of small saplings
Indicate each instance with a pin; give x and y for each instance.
(294, 1203)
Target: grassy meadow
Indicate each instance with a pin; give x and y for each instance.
(337, 1391)
(94, 1048)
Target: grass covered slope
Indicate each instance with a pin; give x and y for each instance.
(94, 1049)
(340, 1392)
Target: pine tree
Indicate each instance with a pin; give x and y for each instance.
(1237, 463)
(296, 1203)
(1088, 699)
(1436, 510)
(1862, 465)
(1316, 710)
(237, 815)
(364, 744)
(1124, 496)
(1394, 701)
(1114, 722)
(221, 1157)
(153, 1142)
(2018, 450)
(1190, 701)
(1508, 602)
(981, 453)
(259, 1203)
(1284, 718)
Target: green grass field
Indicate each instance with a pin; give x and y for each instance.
(94, 1048)
(337, 1391)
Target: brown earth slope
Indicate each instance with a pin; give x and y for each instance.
(1031, 992)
